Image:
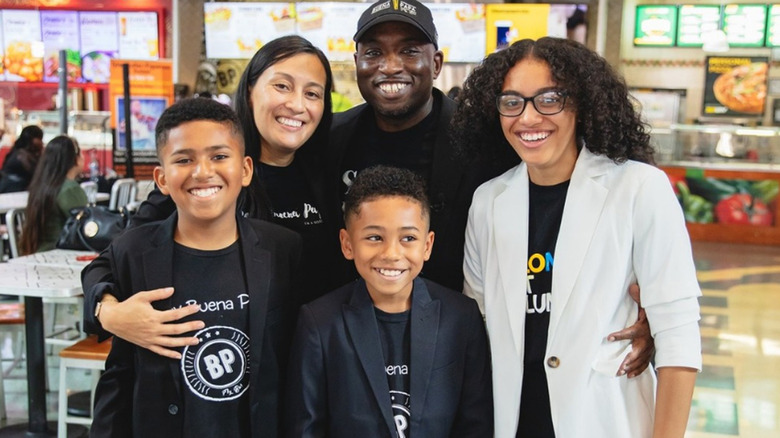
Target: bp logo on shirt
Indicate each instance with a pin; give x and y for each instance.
(217, 369)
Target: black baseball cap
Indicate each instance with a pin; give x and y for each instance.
(405, 11)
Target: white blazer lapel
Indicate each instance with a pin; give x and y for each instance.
(510, 213)
(584, 202)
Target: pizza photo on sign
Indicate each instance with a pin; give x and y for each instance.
(743, 89)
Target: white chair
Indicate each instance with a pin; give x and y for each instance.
(123, 192)
(90, 189)
(87, 354)
(14, 221)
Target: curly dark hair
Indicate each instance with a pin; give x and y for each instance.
(607, 121)
(381, 181)
(190, 110)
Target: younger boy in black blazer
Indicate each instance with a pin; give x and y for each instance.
(239, 271)
(390, 354)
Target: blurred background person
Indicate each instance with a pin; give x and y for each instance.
(53, 193)
(19, 165)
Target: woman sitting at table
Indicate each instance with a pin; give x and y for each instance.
(53, 193)
(20, 163)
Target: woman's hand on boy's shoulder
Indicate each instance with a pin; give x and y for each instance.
(137, 321)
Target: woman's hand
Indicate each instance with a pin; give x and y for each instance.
(136, 321)
(642, 344)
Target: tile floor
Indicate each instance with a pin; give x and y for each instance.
(738, 392)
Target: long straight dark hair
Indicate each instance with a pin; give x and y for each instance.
(258, 204)
(59, 157)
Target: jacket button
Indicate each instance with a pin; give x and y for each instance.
(173, 409)
(553, 362)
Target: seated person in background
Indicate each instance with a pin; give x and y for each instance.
(390, 354)
(21, 161)
(232, 266)
(53, 193)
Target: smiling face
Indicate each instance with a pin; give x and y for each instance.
(547, 144)
(203, 170)
(396, 66)
(288, 100)
(389, 240)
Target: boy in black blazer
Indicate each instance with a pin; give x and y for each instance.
(239, 271)
(390, 354)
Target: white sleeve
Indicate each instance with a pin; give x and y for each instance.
(472, 263)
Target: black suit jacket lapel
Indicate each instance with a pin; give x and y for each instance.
(158, 273)
(425, 331)
(362, 327)
(257, 269)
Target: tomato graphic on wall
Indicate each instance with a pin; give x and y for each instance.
(744, 209)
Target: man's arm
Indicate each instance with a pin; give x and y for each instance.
(642, 344)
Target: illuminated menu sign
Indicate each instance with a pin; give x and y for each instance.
(656, 25)
(60, 31)
(695, 21)
(23, 45)
(773, 27)
(745, 25)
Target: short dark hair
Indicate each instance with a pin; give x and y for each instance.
(383, 181)
(194, 109)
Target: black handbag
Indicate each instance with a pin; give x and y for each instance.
(92, 228)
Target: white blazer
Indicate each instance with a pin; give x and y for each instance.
(621, 223)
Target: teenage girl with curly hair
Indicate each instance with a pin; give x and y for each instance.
(587, 215)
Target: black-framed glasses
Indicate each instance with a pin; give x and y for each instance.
(548, 103)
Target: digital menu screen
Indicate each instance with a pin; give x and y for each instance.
(773, 27)
(23, 46)
(60, 31)
(745, 25)
(138, 35)
(656, 25)
(461, 29)
(330, 27)
(695, 21)
(238, 30)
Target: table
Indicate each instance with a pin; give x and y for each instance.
(13, 200)
(31, 277)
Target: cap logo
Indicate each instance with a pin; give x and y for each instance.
(380, 7)
(409, 9)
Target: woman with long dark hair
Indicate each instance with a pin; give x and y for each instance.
(53, 193)
(284, 104)
(21, 161)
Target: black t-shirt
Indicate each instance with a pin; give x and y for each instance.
(214, 373)
(544, 221)
(394, 336)
(293, 203)
(408, 149)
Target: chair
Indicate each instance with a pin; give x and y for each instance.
(87, 353)
(90, 189)
(11, 314)
(123, 192)
(14, 220)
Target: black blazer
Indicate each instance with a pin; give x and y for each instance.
(140, 393)
(337, 381)
(450, 188)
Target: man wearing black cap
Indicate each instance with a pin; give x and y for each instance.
(405, 123)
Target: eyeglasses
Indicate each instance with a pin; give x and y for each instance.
(548, 103)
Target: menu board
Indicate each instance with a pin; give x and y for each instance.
(507, 23)
(461, 28)
(23, 47)
(694, 21)
(138, 35)
(330, 26)
(773, 27)
(744, 25)
(60, 31)
(656, 25)
(99, 44)
(735, 85)
(238, 30)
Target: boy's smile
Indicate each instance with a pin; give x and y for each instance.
(203, 170)
(389, 241)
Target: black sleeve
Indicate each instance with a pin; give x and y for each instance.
(97, 279)
(157, 207)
